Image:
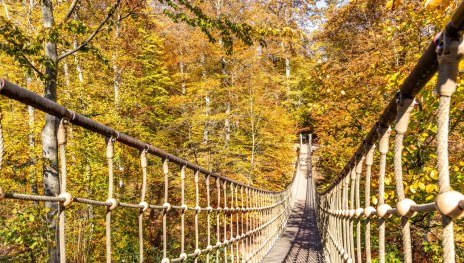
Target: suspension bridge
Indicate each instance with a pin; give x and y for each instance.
(236, 222)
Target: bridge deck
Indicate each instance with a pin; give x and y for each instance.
(300, 241)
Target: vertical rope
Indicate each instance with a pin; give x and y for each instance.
(109, 157)
(61, 137)
(345, 230)
(384, 134)
(405, 107)
(449, 56)
(143, 163)
(166, 208)
(237, 224)
(351, 220)
(248, 222)
(405, 225)
(340, 220)
(231, 224)
(242, 219)
(443, 175)
(218, 218)
(208, 216)
(367, 201)
(358, 205)
(197, 212)
(224, 188)
(182, 215)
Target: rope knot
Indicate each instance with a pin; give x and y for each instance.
(183, 256)
(383, 211)
(197, 252)
(68, 199)
(369, 211)
(145, 206)
(167, 207)
(449, 204)
(404, 208)
(112, 203)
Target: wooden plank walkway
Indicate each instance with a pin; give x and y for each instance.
(300, 241)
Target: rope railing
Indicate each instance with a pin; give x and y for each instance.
(244, 221)
(339, 203)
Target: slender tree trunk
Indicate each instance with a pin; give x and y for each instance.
(182, 72)
(207, 104)
(66, 75)
(32, 157)
(227, 123)
(80, 73)
(116, 70)
(253, 136)
(7, 13)
(49, 143)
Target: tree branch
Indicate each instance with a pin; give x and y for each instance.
(94, 33)
(29, 63)
(70, 11)
(21, 57)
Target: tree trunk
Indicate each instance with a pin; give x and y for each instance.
(32, 157)
(49, 142)
(182, 72)
(116, 70)
(80, 74)
(7, 14)
(253, 137)
(207, 103)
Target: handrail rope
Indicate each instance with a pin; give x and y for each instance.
(265, 212)
(443, 55)
(284, 201)
(422, 73)
(25, 96)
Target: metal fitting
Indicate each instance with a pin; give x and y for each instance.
(370, 156)
(61, 134)
(404, 109)
(109, 148)
(449, 52)
(359, 166)
(166, 166)
(143, 159)
(384, 134)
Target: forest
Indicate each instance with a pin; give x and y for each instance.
(227, 85)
